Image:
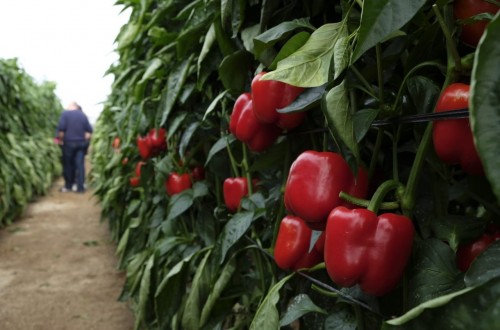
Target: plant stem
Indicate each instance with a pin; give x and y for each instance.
(380, 194)
(408, 199)
(450, 43)
(246, 171)
(380, 75)
(376, 151)
(364, 202)
(234, 165)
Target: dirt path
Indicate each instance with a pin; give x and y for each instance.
(58, 268)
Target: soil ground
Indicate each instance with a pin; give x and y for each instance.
(58, 268)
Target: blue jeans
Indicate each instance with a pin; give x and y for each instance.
(74, 164)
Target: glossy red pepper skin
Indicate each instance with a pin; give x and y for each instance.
(248, 129)
(291, 250)
(138, 167)
(198, 173)
(314, 183)
(270, 95)
(452, 138)
(135, 181)
(234, 189)
(177, 183)
(361, 248)
(157, 140)
(463, 9)
(144, 147)
(467, 253)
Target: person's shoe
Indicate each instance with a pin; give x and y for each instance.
(64, 189)
(80, 191)
(74, 188)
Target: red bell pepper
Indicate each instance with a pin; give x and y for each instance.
(464, 9)
(138, 167)
(157, 140)
(134, 181)
(270, 95)
(248, 129)
(361, 248)
(467, 253)
(293, 242)
(177, 183)
(315, 182)
(198, 173)
(152, 144)
(452, 138)
(234, 190)
(144, 147)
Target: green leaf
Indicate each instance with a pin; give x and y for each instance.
(192, 309)
(233, 71)
(186, 137)
(221, 144)
(379, 19)
(306, 100)
(299, 306)
(434, 303)
(234, 229)
(423, 92)
(176, 80)
(144, 292)
(457, 229)
(126, 38)
(153, 66)
(433, 272)
(290, 47)
(484, 100)
(281, 31)
(171, 290)
(485, 267)
(310, 65)
(267, 316)
(221, 283)
(179, 203)
(213, 104)
(471, 308)
(339, 117)
(340, 319)
(362, 121)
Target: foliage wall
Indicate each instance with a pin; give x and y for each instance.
(29, 159)
(191, 262)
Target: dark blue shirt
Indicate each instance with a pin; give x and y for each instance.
(74, 124)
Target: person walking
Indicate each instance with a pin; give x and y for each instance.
(74, 131)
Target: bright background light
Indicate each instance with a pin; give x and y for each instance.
(70, 42)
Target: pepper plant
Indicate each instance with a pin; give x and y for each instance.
(246, 89)
(29, 159)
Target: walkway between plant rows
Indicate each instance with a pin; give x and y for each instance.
(58, 269)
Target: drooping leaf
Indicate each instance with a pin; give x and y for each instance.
(310, 65)
(179, 203)
(267, 316)
(221, 144)
(484, 100)
(233, 231)
(379, 19)
(433, 272)
(339, 117)
(290, 47)
(221, 283)
(470, 308)
(309, 98)
(233, 71)
(271, 36)
(176, 80)
(485, 267)
(299, 306)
